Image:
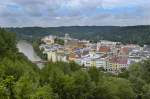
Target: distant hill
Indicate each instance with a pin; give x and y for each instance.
(128, 34)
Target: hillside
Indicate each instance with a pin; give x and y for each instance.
(20, 79)
(129, 34)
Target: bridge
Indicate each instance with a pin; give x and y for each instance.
(40, 61)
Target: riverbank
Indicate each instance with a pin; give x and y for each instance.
(39, 52)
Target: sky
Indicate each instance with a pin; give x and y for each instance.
(52, 13)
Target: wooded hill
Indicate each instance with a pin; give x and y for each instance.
(129, 34)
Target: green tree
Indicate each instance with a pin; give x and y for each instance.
(114, 88)
(44, 92)
(146, 92)
(25, 87)
(6, 88)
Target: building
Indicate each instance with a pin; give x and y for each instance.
(107, 43)
(52, 56)
(49, 39)
(104, 49)
(55, 56)
(92, 59)
(116, 64)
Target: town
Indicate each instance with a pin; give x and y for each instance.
(113, 57)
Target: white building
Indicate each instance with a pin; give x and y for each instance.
(92, 59)
(54, 56)
(48, 39)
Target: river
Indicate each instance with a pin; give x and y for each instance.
(27, 49)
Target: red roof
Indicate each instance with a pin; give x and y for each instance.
(104, 49)
(119, 60)
(123, 61)
(125, 50)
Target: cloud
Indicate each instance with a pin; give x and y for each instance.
(73, 12)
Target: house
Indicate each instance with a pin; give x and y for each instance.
(104, 49)
(115, 64)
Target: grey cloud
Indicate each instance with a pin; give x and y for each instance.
(76, 12)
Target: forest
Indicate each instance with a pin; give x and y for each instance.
(125, 34)
(21, 79)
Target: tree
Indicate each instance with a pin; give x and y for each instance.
(114, 88)
(25, 87)
(95, 74)
(7, 42)
(146, 91)
(44, 92)
(6, 88)
(84, 87)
